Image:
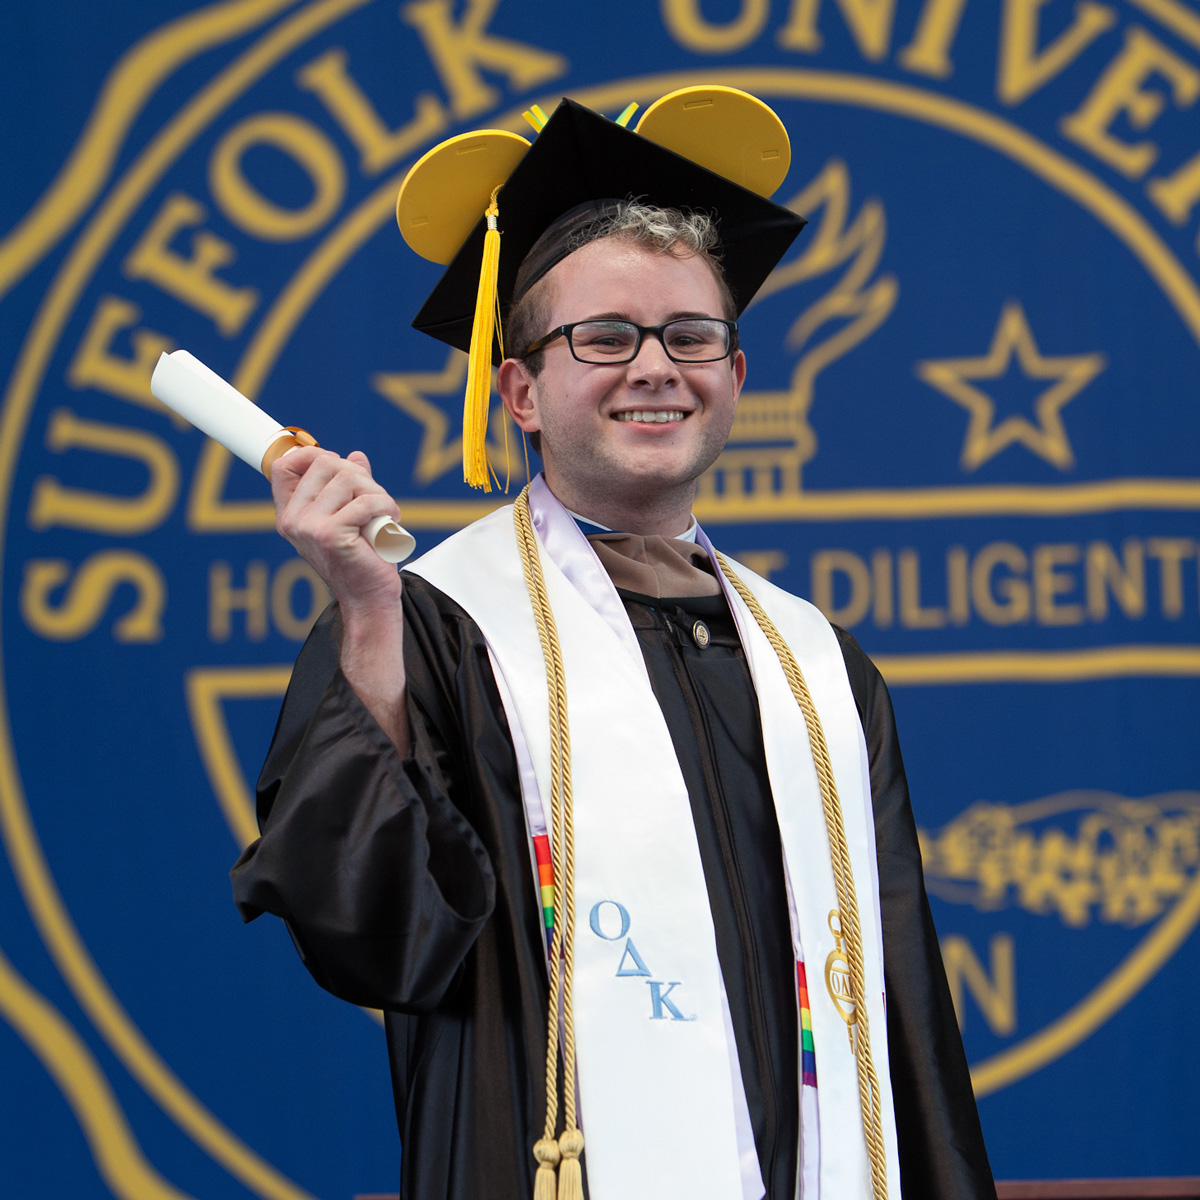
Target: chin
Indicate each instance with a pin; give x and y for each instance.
(626, 471)
(654, 480)
(670, 469)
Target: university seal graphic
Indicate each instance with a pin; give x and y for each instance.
(969, 434)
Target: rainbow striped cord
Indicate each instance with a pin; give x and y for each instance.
(808, 1058)
(541, 851)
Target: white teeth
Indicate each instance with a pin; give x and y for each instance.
(651, 417)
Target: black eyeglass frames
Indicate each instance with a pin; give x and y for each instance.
(687, 340)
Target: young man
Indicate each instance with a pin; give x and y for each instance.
(407, 794)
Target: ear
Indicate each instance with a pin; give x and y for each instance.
(518, 393)
(739, 373)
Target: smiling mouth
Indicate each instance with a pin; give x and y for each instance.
(651, 417)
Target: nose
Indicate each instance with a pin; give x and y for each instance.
(652, 366)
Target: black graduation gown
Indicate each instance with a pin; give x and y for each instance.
(407, 887)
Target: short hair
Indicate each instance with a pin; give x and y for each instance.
(663, 230)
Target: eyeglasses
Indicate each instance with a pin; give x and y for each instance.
(690, 340)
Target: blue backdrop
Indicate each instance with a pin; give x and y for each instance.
(969, 433)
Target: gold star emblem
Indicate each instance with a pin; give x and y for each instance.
(985, 438)
(440, 449)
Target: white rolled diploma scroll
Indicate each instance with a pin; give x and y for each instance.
(199, 395)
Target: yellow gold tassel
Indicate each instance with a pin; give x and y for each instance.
(476, 468)
(570, 1173)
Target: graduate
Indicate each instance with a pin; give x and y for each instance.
(615, 832)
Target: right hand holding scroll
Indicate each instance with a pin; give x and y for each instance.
(322, 503)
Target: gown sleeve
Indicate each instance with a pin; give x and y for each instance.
(369, 859)
(942, 1153)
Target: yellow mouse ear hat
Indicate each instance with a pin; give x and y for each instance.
(490, 207)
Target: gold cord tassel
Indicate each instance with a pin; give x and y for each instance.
(476, 468)
(570, 1173)
(563, 1153)
(547, 1154)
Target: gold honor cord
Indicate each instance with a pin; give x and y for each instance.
(567, 1148)
(843, 877)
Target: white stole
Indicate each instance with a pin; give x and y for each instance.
(656, 1070)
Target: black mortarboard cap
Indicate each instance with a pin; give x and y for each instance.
(581, 156)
